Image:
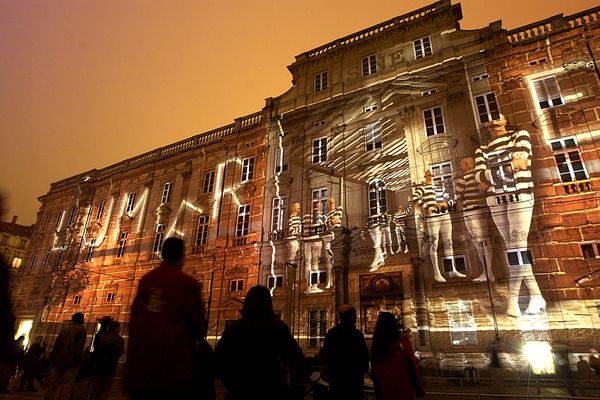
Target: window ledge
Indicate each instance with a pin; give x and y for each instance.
(574, 187)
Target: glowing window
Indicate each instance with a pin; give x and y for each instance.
(317, 327)
(369, 65)
(122, 244)
(243, 220)
(547, 92)
(100, 212)
(236, 285)
(463, 331)
(442, 177)
(568, 160)
(247, 169)
(422, 47)
(434, 121)
(159, 237)
(281, 160)
(278, 213)
(16, 262)
(487, 107)
(275, 281)
(373, 136)
(166, 193)
(130, 202)
(319, 151)
(321, 81)
(377, 197)
(209, 182)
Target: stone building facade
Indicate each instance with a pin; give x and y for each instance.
(445, 175)
(99, 232)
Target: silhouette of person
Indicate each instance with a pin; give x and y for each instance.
(66, 356)
(167, 324)
(7, 319)
(393, 364)
(399, 219)
(106, 357)
(346, 356)
(254, 351)
(31, 361)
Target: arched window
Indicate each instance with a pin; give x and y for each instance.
(377, 197)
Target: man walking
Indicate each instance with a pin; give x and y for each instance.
(346, 356)
(66, 356)
(167, 324)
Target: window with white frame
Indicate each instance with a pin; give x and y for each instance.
(568, 160)
(422, 47)
(377, 197)
(373, 136)
(100, 211)
(318, 277)
(247, 169)
(442, 177)
(16, 262)
(130, 202)
(90, 250)
(122, 244)
(519, 257)
(59, 219)
(72, 216)
(281, 160)
(319, 201)
(434, 121)
(110, 297)
(319, 150)
(455, 263)
(487, 107)
(461, 323)
(77, 299)
(243, 220)
(369, 65)
(370, 108)
(321, 81)
(236, 285)
(428, 92)
(547, 92)
(317, 328)
(166, 193)
(274, 281)
(201, 233)
(278, 213)
(159, 237)
(209, 182)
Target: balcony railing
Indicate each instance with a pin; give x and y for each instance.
(575, 187)
(198, 249)
(239, 241)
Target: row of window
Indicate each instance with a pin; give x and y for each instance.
(369, 66)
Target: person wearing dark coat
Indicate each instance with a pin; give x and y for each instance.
(167, 324)
(106, 357)
(7, 324)
(346, 357)
(31, 361)
(256, 352)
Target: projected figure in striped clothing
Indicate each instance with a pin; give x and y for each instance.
(475, 214)
(400, 226)
(503, 170)
(436, 204)
(294, 232)
(312, 226)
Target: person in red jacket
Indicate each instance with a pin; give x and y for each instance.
(167, 325)
(393, 364)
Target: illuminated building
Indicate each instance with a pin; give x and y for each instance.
(14, 239)
(100, 231)
(372, 116)
(385, 134)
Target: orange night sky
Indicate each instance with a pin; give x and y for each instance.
(84, 84)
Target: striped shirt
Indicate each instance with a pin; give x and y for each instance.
(335, 214)
(313, 224)
(428, 196)
(294, 225)
(493, 164)
(399, 216)
(467, 189)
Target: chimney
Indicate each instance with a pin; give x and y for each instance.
(14, 220)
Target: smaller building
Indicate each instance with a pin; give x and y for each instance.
(14, 239)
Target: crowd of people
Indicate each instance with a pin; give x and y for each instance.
(168, 356)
